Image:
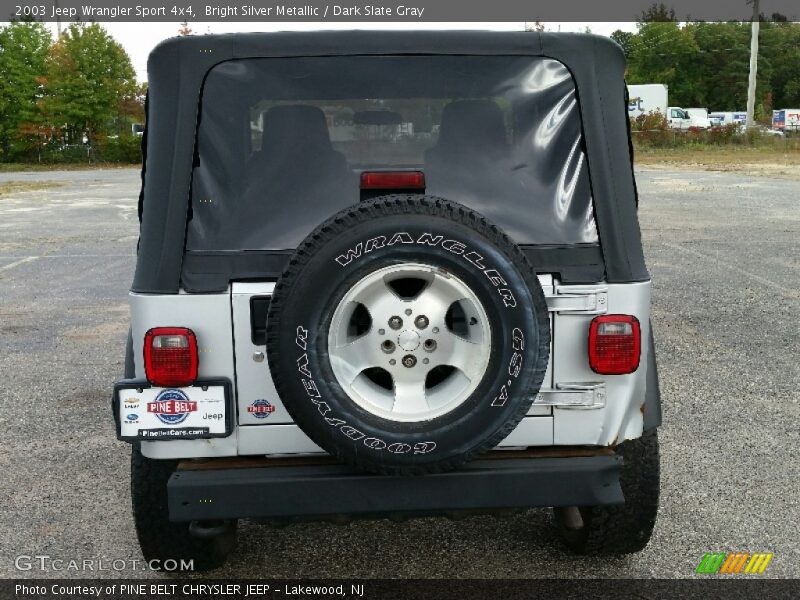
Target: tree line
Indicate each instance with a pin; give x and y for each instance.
(79, 90)
(707, 64)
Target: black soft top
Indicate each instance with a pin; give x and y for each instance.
(177, 68)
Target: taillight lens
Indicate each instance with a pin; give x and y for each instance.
(614, 344)
(170, 356)
(392, 180)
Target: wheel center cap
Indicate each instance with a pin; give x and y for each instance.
(408, 340)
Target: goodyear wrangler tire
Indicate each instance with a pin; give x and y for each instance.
(407, 335)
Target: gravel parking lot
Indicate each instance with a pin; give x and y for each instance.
(724, 255)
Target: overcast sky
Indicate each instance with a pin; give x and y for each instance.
(139, 38)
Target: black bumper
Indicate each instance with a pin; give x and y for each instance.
(306, 492)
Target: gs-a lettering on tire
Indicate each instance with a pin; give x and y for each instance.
(407, 335)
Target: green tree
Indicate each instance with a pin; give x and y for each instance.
(23, 50)
(132, 106)
(780, 48)
(624, 39)
(89, 78)
(664, 52)
(706, 64)
(723, 66)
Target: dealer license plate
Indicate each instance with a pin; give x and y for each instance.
(150, 413)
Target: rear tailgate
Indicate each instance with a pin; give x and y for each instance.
(260, 406)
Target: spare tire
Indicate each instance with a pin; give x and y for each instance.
(407, 335)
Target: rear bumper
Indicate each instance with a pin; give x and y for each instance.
(326, 490)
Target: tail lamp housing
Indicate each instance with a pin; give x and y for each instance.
(170, 356)
(615, 344)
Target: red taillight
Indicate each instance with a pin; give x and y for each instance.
(392, 180)
(614, 344)
(170, 356)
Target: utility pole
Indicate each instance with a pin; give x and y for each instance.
(58, 20)
(751, 84)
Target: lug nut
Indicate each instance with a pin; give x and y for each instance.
(429, 345)
(421, 322)
(395, 322)
(387, 346)
(409, 361)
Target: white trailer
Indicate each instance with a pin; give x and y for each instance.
(647, 98)
(652, 98)
(786, 119)
(719, 119)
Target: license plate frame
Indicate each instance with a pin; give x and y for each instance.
(187, 408)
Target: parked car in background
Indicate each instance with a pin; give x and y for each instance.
(773, 132)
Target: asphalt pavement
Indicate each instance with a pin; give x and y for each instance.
(723, 250)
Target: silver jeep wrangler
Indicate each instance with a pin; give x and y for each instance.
(388, 274)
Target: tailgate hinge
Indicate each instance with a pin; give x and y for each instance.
(573, 395)
(577, 301)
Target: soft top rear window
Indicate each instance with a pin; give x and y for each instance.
(282, 141)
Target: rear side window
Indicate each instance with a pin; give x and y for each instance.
(282, 142)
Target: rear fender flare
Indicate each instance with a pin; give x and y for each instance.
(652, 401)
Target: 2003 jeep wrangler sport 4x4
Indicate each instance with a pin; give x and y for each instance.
(388, 274)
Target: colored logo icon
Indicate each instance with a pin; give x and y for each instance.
(731, 563)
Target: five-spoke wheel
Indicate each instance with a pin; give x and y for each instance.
(409, 342)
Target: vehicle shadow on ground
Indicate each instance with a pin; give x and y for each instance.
(417, 548)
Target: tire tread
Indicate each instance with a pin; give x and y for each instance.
(414, 204)
(626, 528)
(159, 538)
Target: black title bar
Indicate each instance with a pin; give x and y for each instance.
(387, 10)
(172, 588)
